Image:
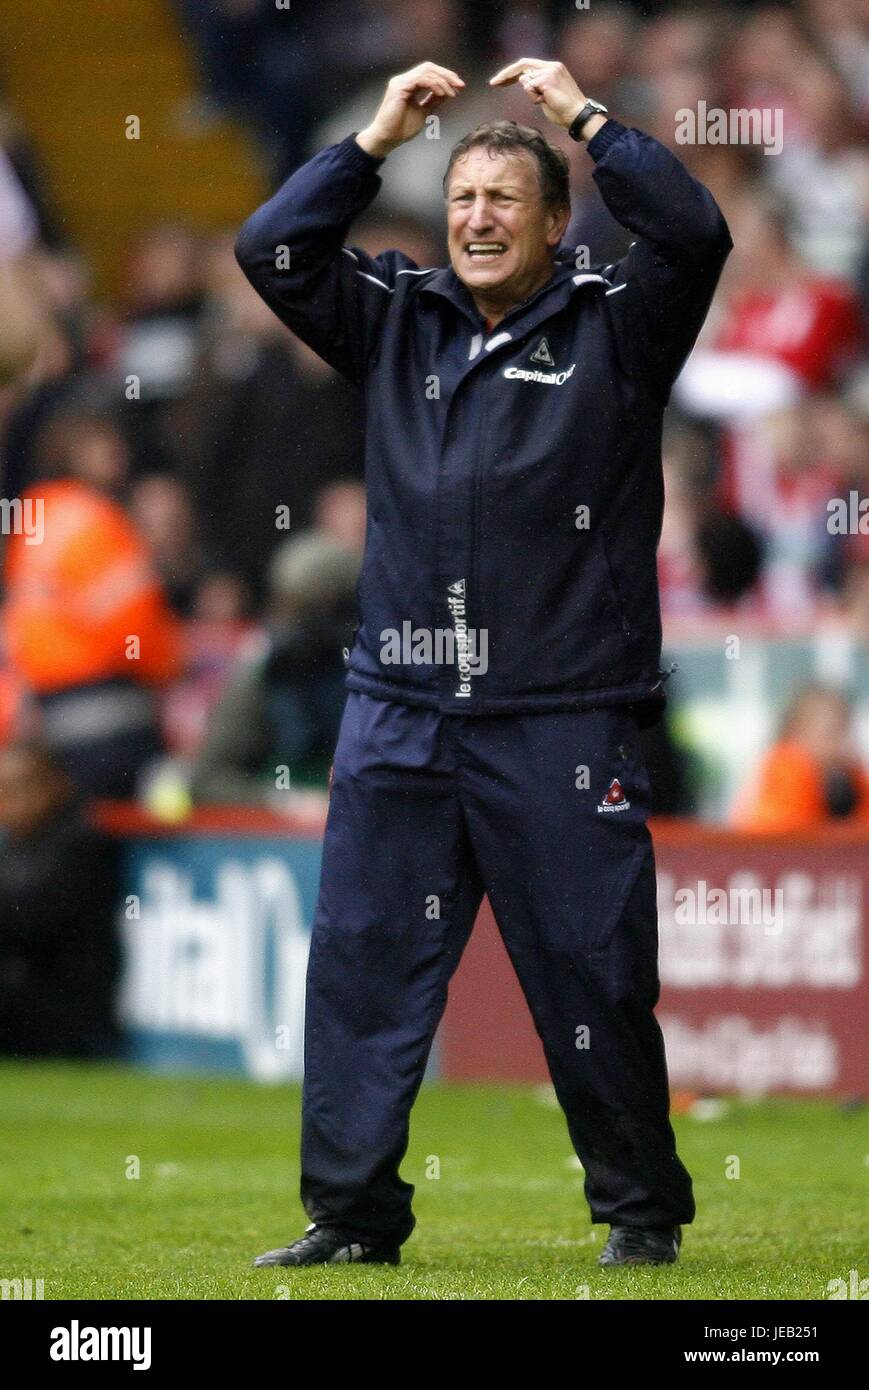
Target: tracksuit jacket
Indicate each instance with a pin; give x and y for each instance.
(514, 478)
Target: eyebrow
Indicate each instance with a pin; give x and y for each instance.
(459, 187)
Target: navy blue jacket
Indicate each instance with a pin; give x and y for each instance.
(483, 450)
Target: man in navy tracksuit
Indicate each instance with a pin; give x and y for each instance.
(509, 645)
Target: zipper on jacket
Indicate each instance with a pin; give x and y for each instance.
(476, 511)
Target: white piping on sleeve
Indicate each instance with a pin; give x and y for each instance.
(364, 274)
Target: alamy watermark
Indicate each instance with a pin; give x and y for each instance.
(77, 1343)
(467, 649)
(740, 125)
(853, 1287)
(26, 1289)
(462, 646)
(23, 516)
(739, 905)
(848, 516)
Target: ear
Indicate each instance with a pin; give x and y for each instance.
(556, 225)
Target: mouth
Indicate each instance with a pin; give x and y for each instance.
(482, 251)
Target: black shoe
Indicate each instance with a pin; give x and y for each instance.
(633, 1245)
(325, 1245)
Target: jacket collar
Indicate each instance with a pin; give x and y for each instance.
(547, 300)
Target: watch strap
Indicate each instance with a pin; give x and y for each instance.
(591, 108)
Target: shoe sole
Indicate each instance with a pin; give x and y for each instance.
(619, 1264)
(262, 1262)
(665, 1258)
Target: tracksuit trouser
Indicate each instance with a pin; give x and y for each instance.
(546, 813)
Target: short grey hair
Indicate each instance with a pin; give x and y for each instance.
(509, 137)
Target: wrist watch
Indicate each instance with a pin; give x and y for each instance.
(591, 108)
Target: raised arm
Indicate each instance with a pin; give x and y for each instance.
(292, 248)
(670, 272)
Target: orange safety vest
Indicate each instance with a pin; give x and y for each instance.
(788, 794)
(79, 587)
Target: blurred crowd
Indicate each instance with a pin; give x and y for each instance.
(177, 631)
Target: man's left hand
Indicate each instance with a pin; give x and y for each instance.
(550, 86)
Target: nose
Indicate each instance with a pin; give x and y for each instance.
(481, 214)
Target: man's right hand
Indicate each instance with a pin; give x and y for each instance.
(407, 101)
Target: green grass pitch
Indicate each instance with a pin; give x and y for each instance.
(505, 1219)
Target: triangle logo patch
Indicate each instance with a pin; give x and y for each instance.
(542, 354)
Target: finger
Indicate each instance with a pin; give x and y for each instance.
(442, 89)
(531, 86)
(428, 87)
(422, 79)
(434, 79)
(434, 94)
(434, 70)
(451, 76)
(513, 71)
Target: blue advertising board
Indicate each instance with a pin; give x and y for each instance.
(216, 934)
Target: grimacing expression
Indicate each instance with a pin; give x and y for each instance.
(501, 234)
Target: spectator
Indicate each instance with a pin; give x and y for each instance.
(340, 513)
(812, 776)
(730, 555)
(266, 65)
(782, 329)
(411, 178)
(708, 560)
(855, 601)
(825, 175)
(161, 510)
(784, 497)
(59, 951)
(283, 709)
(264, 426)
(157, 339)
(53, 387)
(840, 28)
(20, 310)
(216, 638)
(86, 622)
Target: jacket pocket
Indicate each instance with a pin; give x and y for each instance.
(614, 590)
(598, 560)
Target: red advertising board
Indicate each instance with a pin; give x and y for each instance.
(763, 949)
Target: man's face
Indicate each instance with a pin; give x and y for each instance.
(500, 232)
